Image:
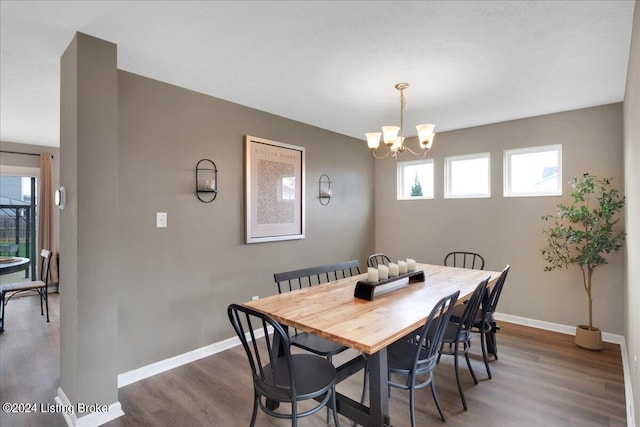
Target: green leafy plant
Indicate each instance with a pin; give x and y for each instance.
(583, 232)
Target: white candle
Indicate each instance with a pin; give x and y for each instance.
(383, 272)
(411, 264)
(402, 267)
(393, 269)
(372, 274)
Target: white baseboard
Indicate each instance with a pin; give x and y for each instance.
(93, 419)
(173, 362)
(571, 330)
(554, 327)
(179, 360)
(628, 390)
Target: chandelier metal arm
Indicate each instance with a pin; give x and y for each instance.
(420, 154)
(380, 157)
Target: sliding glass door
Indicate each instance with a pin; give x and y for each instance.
(18, 219)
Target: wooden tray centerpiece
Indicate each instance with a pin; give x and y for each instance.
(369, 290)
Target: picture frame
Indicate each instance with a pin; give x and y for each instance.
(274, 190)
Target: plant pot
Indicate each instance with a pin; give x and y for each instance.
(591, 339)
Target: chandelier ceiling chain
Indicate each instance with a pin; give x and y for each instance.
(393, 136)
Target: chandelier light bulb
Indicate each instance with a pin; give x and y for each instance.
(373, 139)
(389, 134)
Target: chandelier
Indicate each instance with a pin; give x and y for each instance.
(393, 136)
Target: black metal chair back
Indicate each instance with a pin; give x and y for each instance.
(437, 322)
(492, 300)
(472, 307)
(376, 259)
(250, 323)
(273, 367)
(485, 322)
(465, 260)
(298, 279)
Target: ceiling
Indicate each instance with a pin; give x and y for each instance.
(331, 64)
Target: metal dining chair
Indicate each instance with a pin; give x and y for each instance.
(464, 260)
(484, 322)
(417, 354)
(458, 333)
(376, 259)
(278, 375)
(9, 290)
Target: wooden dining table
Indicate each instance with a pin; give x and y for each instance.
(331, 311)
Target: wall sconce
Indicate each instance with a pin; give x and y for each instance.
(324, 190)
(206, 181)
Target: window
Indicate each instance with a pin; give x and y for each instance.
(415, 180)
(467, 176)
(533, 171)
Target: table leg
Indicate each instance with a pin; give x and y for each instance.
(378, 389)
(277, 343)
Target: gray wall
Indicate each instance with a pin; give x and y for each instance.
(508, 230)
(632, 179)
(175, 283)
(88, 242)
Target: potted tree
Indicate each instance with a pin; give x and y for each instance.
(582, 234)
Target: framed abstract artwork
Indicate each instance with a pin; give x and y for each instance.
(274, 190)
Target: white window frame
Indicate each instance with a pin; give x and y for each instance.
(507, 154)
(448, 194)
(400, 179)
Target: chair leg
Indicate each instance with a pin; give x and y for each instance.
(46, 302)
(485, 357)
(2, 309)
(490, 331)
(492, 335)
(41, 295)
(412, 405)
(255, 409)
(365, 385)
(329, 358)
(455, 362)
(335, 406)
(435, 399)
(294, 413)
(466, 356)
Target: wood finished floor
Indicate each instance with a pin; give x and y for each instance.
(541, 379)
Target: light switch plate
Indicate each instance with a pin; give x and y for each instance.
(161, 219)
